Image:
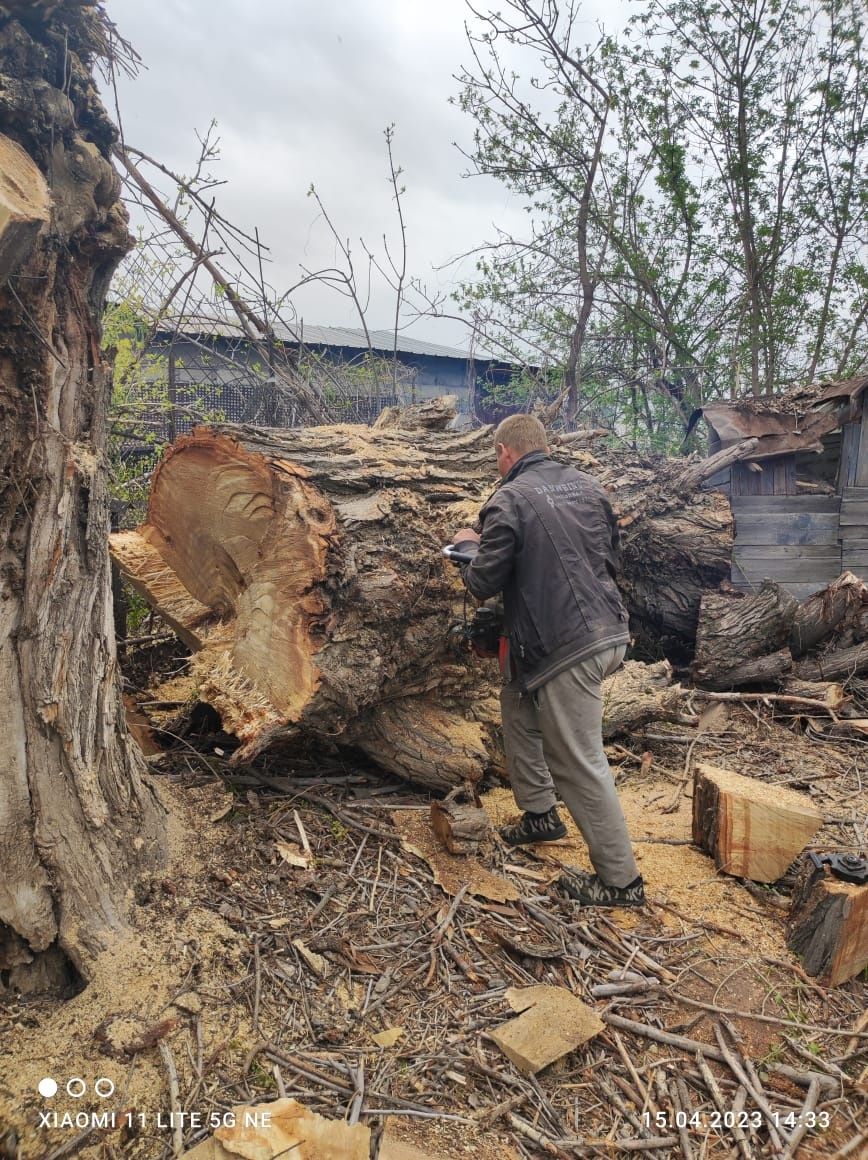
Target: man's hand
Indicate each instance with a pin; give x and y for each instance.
(466, 534)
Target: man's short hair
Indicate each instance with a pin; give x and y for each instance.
(521, 434)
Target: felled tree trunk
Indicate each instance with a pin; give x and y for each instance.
(77, 818)
(304, 569)
(677, 546)
(744, 638)
(824, 612)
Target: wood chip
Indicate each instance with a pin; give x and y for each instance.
(293, 856)
(284, 1128)
(389, 1037)
(316, 962)
(552, 1023)
(451, 871)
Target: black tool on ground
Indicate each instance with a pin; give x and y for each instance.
(847, 867)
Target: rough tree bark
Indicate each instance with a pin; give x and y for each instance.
(743, 639)
(77, 817)
(304, 569)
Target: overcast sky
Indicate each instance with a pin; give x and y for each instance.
(302, 91)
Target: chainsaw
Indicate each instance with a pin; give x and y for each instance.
(846, 867)
(483, 633)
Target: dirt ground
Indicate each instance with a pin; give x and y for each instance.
(256, 969)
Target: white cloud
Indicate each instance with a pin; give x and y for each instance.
(302, 92)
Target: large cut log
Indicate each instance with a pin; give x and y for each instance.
(304, 570)
(838, 665)
(828, 925)
(304, 567)
(751, 829)
(743, 639)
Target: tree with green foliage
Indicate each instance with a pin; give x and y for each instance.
(696, 193)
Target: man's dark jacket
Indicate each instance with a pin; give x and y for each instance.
(550, 545)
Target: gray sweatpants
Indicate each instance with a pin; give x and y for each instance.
(554, 742)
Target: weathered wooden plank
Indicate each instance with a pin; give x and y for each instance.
(860, 478)
(787, 528)
(854, 519)
(801, 591)
(787, 551)
(785, 503)
(849, 452)
(785, 475)
(789, 571)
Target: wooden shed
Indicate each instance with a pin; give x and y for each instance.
(800, 496)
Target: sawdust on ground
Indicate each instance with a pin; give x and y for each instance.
(677, 875)
(741, 937)
(177, 949)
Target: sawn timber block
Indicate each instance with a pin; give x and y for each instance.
(828, 926)
(752, 829)
(552, 1023)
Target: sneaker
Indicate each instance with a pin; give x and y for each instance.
(590, 890)
(533, 828)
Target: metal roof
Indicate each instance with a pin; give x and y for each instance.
(795, 421)
(352, 338)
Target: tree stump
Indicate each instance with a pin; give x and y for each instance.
(752, 829)
(828, 925)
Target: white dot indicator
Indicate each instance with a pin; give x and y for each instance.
(47, 1087)
(76, 1087)
(104, 1087)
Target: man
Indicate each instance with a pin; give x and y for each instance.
(549, 544)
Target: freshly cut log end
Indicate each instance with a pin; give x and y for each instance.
(248, 540)
(828, 925)
(752, 829)
(25, 205)
(304, 570)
